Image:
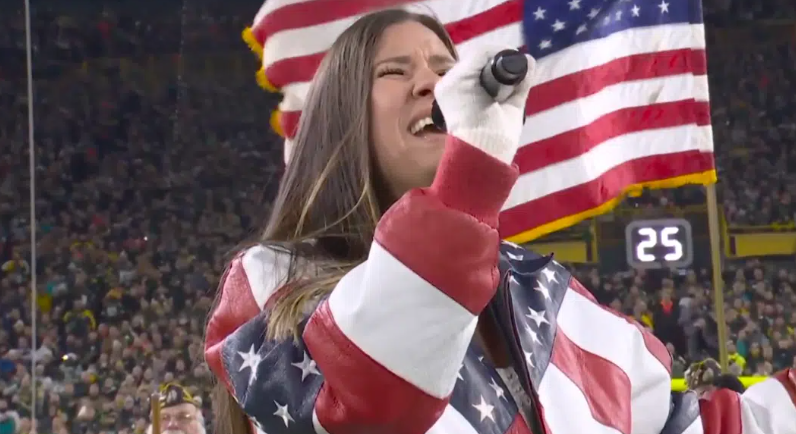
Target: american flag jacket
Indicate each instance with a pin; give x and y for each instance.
(391, 350)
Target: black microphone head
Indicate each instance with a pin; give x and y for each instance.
(437, 118)
(509, 67)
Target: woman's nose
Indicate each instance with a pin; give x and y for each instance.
(425, 81)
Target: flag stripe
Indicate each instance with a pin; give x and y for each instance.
(509, 35)
(316, 424)
(562, 118)
(306, 14)
(266, 270)
(586, 55)
(636, 67)
(289, 122)
(586, 110)
(619, 109)
(271, 6)
(463, 21)
(301, 60)
(623, 346)
(274, 30)
(235, 307)
(788, 380)
(452, 421)
(654, 147)
(353, 393)
(405, 335)
(612, 126)
(654, 346)
(293, 69)
(606, 387)
(631, 42)
(556, 388)
(548, 211)
(517, 427)
(294, 95)
(282, 69)
(483, 23)
(721, 413)
(772, 402)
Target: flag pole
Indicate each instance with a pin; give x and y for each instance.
(718, 282)
(154, 402)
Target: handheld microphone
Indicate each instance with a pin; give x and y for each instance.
(506, 70)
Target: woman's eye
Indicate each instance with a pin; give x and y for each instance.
(390, 71)
(443, 72)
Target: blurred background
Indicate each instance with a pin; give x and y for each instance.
(155, 159)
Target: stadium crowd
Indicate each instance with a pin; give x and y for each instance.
(148, 178)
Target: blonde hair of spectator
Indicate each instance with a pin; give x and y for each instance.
(330, 198)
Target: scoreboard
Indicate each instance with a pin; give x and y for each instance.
(652, 239)
(661, 243)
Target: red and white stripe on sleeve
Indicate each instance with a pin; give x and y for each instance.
(403, 320)
(251, 279)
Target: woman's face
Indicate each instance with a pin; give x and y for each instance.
(409, 61)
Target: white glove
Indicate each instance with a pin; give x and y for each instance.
(475, 117)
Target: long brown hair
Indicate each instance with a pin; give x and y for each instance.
(330, 198)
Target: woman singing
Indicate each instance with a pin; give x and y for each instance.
(380, 298)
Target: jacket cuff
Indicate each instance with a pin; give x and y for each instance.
(472, 181)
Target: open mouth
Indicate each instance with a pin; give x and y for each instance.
(424, 127)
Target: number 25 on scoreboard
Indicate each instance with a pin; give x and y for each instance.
(662, 243)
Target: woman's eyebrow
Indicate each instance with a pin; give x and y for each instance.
(433, 60)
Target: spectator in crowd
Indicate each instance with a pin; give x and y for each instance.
(180, 413)
(760, 321)
(9, 419)
(705, 377)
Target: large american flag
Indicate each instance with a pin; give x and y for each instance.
(620, 99)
